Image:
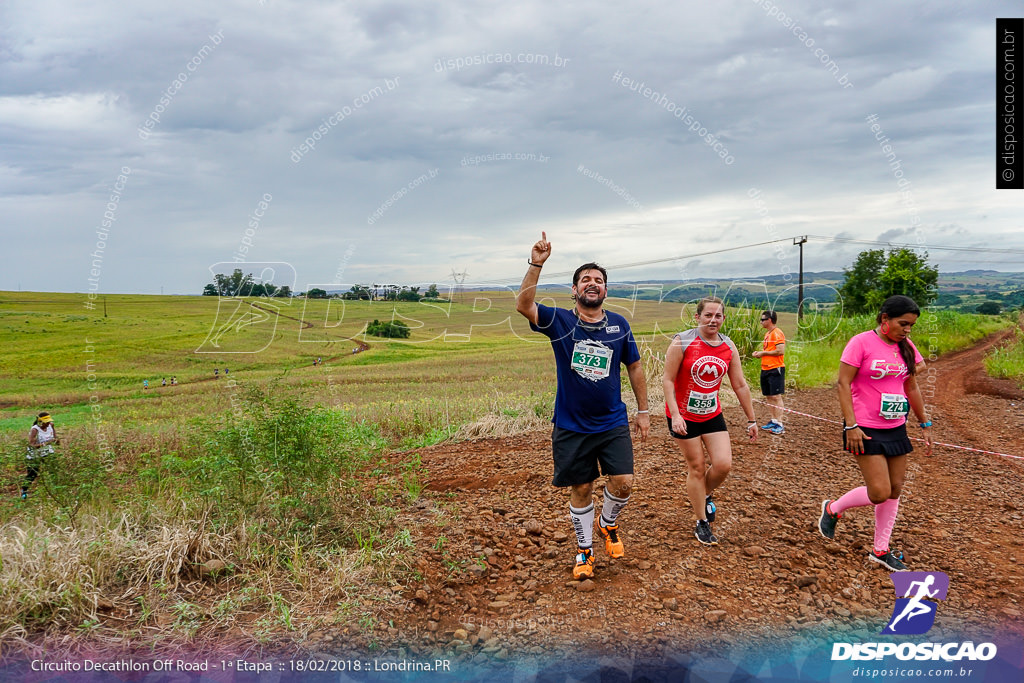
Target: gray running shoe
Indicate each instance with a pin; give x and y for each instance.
(827, 522)
(890, 560)
(703, 533)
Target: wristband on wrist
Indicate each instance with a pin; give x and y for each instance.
(853, 426)
(642, 412)
(926, 424)
(535, 265)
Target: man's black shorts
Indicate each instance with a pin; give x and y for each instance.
(695, 429)
(577, 455)
(773, 382)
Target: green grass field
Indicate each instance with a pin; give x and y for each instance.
(463, 360)
(284, 472)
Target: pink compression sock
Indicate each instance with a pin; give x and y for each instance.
(854, 498)
(885, 519)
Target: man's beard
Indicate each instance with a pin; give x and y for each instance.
(586, 302)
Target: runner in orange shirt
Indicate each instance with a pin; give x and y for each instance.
(773, 370)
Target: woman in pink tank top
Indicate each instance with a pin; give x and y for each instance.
(877, 389)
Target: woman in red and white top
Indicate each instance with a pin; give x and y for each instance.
(877, 388)
(695, 365)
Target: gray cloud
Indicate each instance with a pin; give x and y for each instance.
(532, 78)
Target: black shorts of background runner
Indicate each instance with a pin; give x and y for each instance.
(695, 429)
(773, 382)
(32, 470)
(577, 455)
(888, 442)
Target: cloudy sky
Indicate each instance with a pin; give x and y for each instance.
(399, 141)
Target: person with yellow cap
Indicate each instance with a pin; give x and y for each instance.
(41, 439)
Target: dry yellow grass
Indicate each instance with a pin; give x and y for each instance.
(114, 581)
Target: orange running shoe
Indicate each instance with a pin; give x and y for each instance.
(584, 568)
(612, 544)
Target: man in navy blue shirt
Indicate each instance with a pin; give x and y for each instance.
(591, 423)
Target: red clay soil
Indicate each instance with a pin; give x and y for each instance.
(498, 581)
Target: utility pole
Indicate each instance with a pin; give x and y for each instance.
(104, 307)
(799, 241)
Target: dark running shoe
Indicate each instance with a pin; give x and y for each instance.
(709, 509)
(893, 561)
(827, 522)
(703, 533)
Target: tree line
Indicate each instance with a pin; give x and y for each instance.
(377, 293)
(239, 284)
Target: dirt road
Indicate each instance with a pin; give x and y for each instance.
(497, 582)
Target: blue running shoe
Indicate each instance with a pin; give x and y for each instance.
(777, 429)
(771, 423)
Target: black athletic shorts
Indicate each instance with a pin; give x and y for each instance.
(887, 442)
(695, 429)
(773, 382)
(577, 455)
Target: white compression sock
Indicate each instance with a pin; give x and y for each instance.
(583, 524)
(611, 508)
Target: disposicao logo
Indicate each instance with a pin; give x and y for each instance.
(914, 613)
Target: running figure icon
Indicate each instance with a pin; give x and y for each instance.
(916, 596)
(915, 607)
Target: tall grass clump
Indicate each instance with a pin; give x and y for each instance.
(1007, 361)
(290, 466)
(58, 578)
(743, 326)
(509, 417)
(277, 499)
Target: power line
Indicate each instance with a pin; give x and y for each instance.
(822, 238)
(926, 247)
(655, 261)
(977, 262)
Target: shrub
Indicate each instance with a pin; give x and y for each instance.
(1007, 361)
(280, 461)
(989, 308)
(395, 329)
